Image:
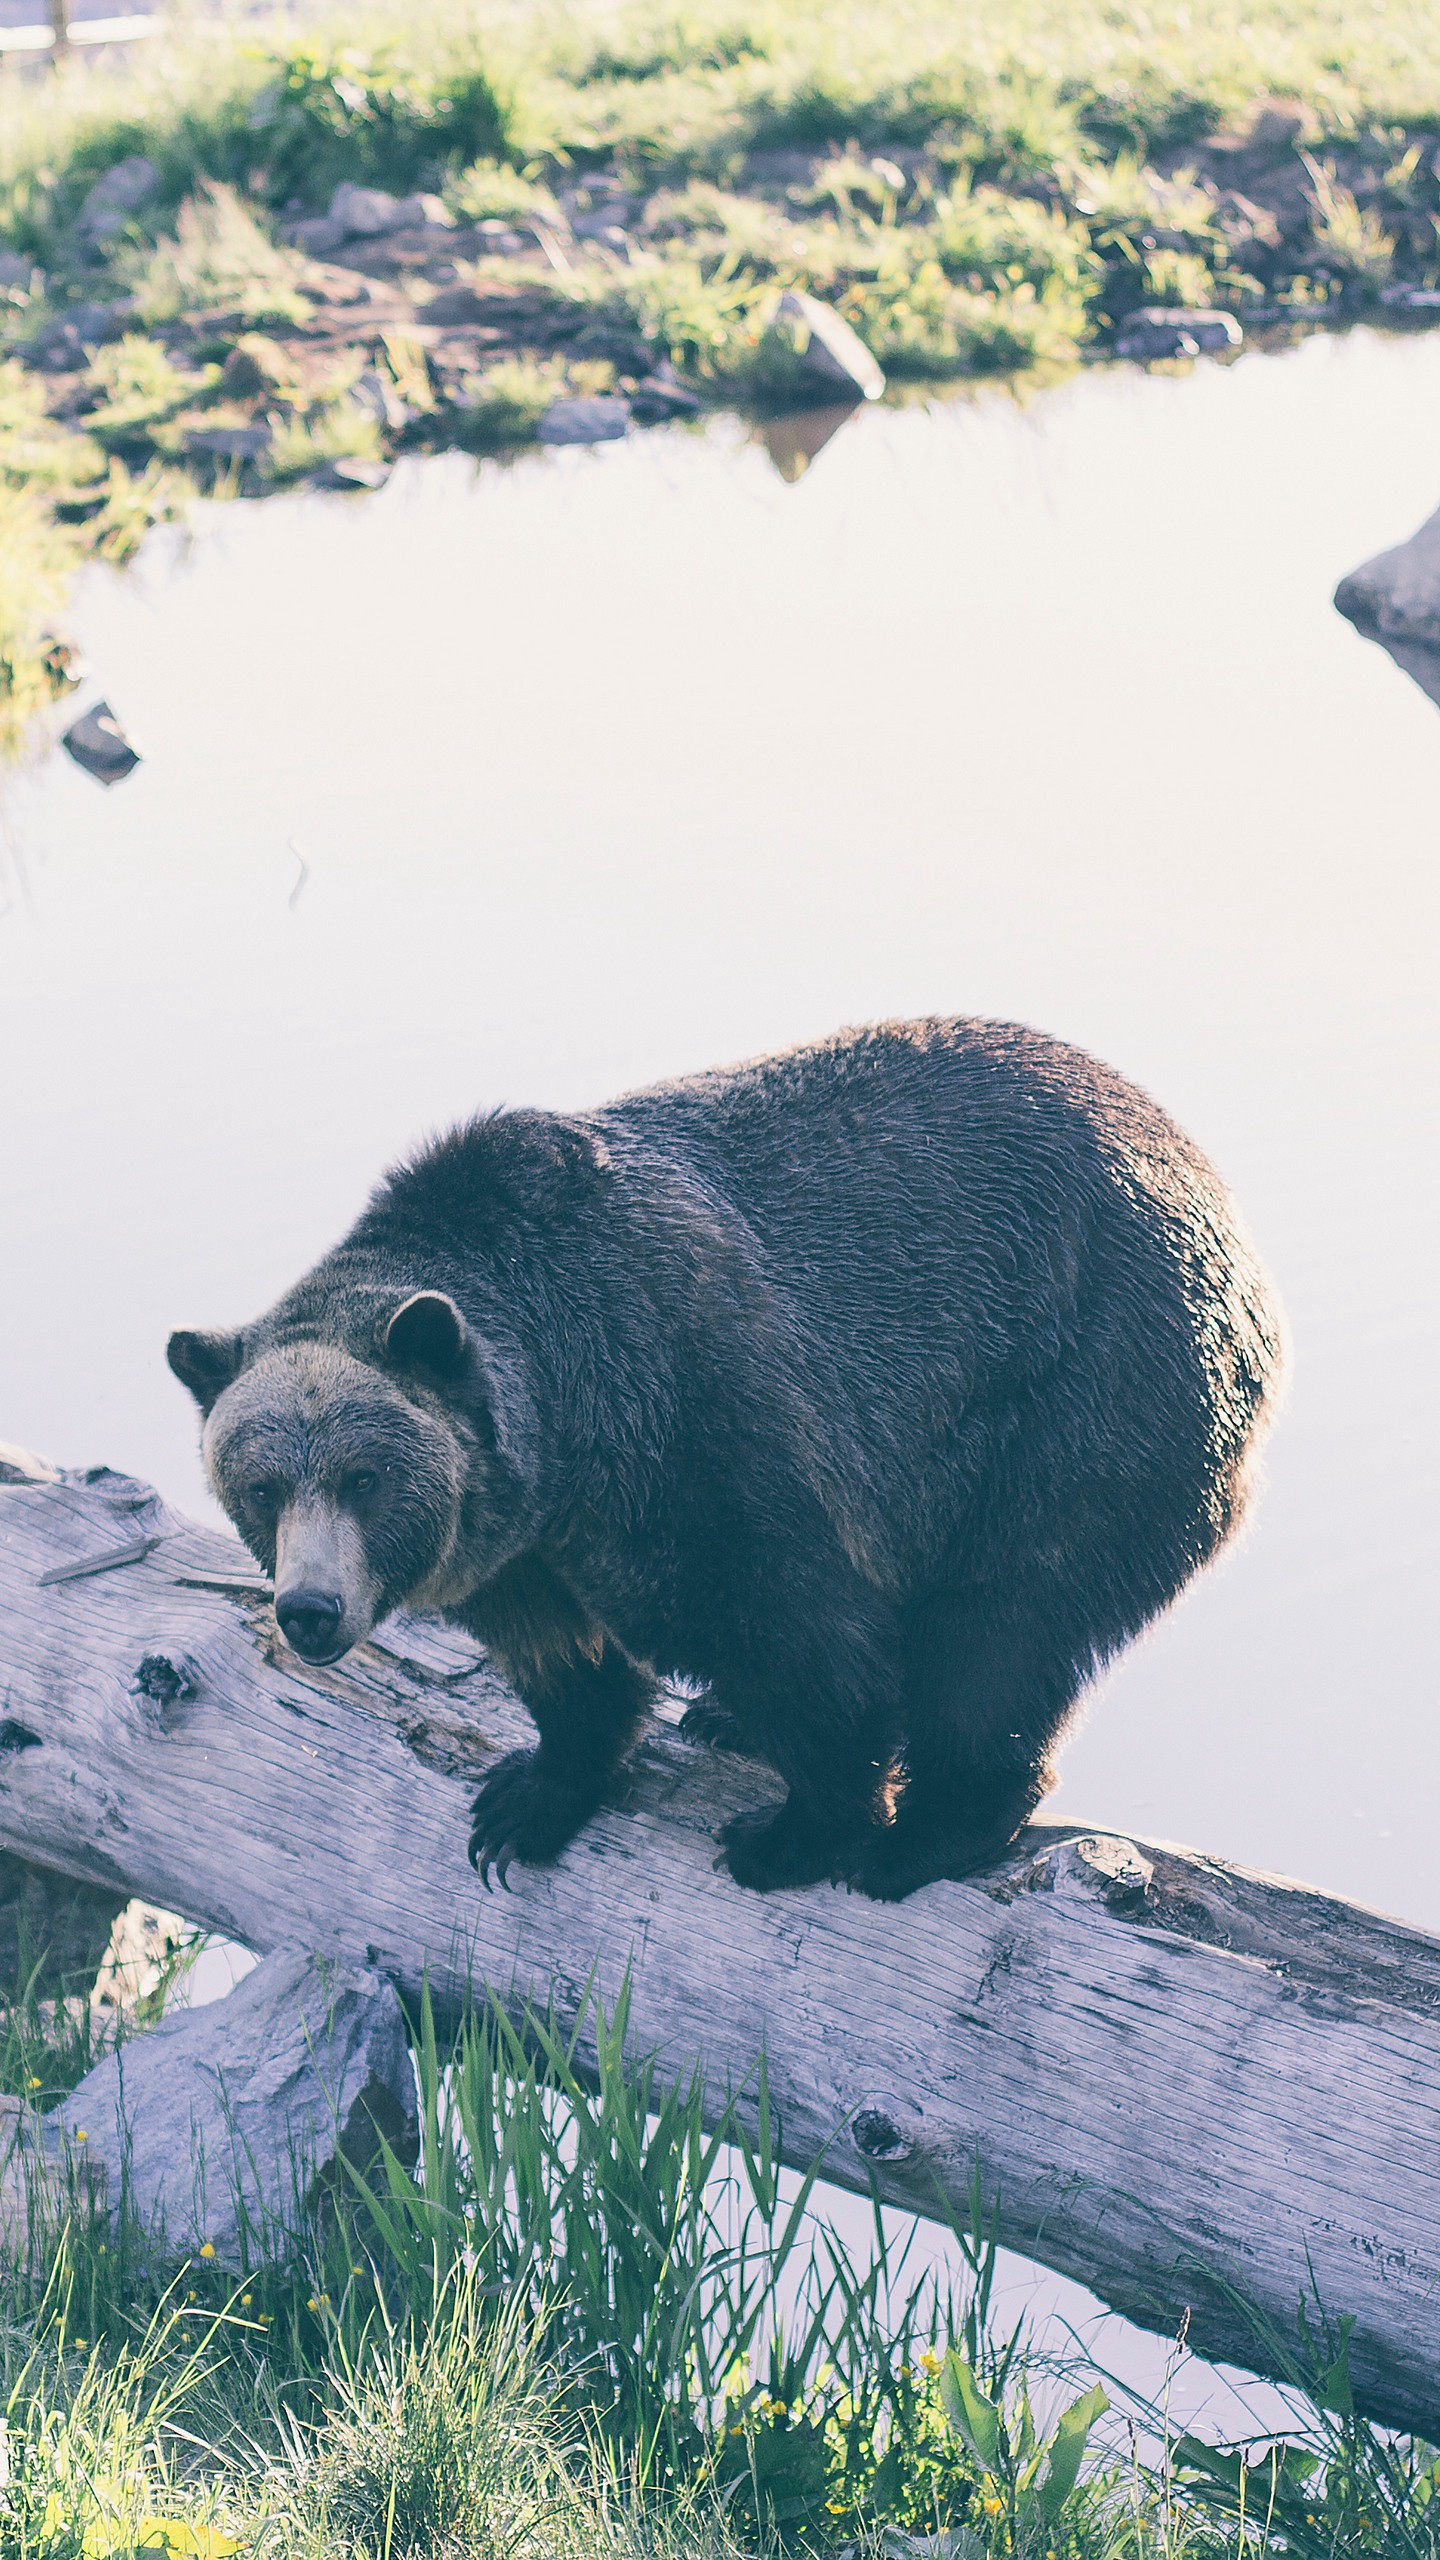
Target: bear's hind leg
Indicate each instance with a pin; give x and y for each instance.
(985, 1703)
(830, 1731)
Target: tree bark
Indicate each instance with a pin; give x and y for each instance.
(1184, 2083)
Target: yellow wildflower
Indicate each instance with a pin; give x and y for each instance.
(207, 2248)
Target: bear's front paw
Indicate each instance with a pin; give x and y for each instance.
(520, 1812)
(769, 1850)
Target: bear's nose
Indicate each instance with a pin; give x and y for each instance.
(310, 1621)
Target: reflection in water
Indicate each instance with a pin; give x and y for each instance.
(793, 442)
(612, 765)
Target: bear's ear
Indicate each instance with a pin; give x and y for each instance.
(206, 1363)
(429, 1333)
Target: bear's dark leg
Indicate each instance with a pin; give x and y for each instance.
(823, 1711)
(986, 1698)
(588, 1700)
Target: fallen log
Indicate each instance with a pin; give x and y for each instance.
(1184, 2082)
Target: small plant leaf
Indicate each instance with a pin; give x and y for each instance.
(971, 2412)
(1067, 2451)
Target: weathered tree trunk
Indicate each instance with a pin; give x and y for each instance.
(1178, 2078)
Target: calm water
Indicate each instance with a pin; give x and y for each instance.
(610, 765)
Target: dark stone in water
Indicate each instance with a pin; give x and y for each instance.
(654, 400)
(98, 744)
(1150, 337)
(827, 349)
(349, 471)
(594, 421)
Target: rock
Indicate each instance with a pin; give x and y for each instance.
(227, 2122)
(1149, 337)
(229, 444)
(592, 421)
(607, 221)
(64, 344)
(64, 665)
(254, 366)
(98, 744)
(1396, 596)
(376, 394)
(1410, 297)
(367, 213)
(115, 197)
(430, 213)
(1278, 126)
(317, 237)
(456, 306)
(827, 348)
(496, 239)
(350, 471)
(659, 397)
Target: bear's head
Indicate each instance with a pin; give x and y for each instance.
(361, 1475)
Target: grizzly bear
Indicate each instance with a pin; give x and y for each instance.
(883, 1389)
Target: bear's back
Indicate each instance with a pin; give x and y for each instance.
(963, 1219)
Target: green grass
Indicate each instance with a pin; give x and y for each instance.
(586, 2325)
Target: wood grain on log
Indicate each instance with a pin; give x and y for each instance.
(1179, 2078)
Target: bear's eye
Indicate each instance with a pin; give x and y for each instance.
(364, 1482)
(262, 1497)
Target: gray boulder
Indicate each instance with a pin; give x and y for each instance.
(593, 421)
(364, 213)
(456, 306)
(1148, 337)
(1396, 596)
(115, 197)
(317, 237)
(98, 744)
(225, 2124)
(230, 444)
(827, 348)
(64, 343)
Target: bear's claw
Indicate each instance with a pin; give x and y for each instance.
(520, 1816)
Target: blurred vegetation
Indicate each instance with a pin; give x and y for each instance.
(981, 192)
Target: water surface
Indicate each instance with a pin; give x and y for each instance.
(609, 765)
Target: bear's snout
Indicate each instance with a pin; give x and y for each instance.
(312, 1622)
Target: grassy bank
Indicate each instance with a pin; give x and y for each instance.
(585, 2326)
(610, 203)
